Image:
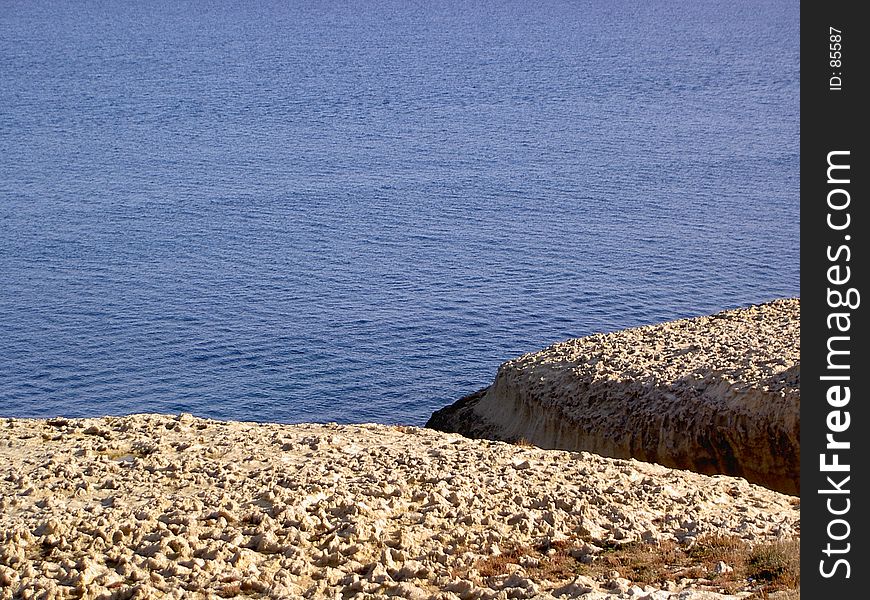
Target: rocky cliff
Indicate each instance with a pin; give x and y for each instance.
(718, 394)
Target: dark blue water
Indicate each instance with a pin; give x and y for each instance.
(355, 211)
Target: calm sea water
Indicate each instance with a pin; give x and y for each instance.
(355, 211)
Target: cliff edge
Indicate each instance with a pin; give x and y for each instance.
(718, 394)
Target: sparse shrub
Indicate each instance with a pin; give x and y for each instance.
(777, 563)
(762, 569)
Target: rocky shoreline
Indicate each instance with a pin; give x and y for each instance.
(156, 506)
(715, 394)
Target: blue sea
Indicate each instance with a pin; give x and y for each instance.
(355, 211)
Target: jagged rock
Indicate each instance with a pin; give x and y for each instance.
(218, 509)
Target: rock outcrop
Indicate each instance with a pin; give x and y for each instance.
(154, 506)
(715, 394)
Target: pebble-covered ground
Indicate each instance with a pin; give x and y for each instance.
(154, 506)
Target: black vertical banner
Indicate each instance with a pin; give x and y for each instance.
(835, 426)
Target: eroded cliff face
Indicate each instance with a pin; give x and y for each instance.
(716, 395)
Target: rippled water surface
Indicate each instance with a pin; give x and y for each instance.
(355, 211)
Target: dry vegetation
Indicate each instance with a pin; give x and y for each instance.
(762, 569)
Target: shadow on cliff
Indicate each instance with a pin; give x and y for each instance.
(708, 425)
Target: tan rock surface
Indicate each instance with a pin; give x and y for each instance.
(152, 506)
(715, 394)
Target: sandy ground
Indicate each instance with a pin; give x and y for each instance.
(155, 506)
